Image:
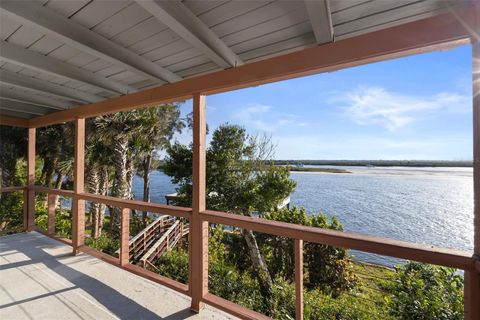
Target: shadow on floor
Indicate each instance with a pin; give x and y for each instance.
(118, 304)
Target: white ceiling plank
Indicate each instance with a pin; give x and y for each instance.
(22, 107)
(15, 114)
(182, 21)
(388, 18)
(36, 61)
(45, 45)
(159, 39)
(255, 17)
(45, 87)
(24, 36)
(273, 37)
(141, 31)
(66, 8)
(266, 27)
(7, 26)
(201, 7)
(84, 39)
(321, 20)
(122, 21)
(97, 11)
(35, 99)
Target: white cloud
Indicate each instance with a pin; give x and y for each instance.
(263, 118)
(377, 106)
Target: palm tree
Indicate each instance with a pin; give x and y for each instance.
(159, 124)
(117, 131)
(51, 153)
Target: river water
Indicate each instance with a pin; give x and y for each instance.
(425, 205)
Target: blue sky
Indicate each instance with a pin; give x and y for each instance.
(417, 107)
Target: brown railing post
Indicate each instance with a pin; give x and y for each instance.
(298, 279)
(198, 244)
(472, 278)
(78, 205)
(25, 208)
(52, 201)
(31, 180)
(124, 237)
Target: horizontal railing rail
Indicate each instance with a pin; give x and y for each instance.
(383, 246)
(180, 212)
(58, 192)
(11, 189)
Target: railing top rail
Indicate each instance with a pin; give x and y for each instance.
(388, 247)
(60, 192)
(137, 205)
(11, 189)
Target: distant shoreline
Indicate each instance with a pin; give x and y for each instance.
(327, 170)
(375, 163)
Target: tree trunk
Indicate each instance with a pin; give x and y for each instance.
(258, 264)
(103, 190)
(58, 185)
(120, 186)
(147, 163)
(93, 184)
(50, 170)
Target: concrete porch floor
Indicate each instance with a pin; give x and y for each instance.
(39, 279)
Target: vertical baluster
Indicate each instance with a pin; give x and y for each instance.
(124, 235)
(30, 219)
(52, 200)
(25, 208)
(298, 279)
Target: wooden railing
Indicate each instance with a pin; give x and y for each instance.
(298, 233)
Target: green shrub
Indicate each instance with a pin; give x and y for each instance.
(11, 211)
(174, 265)
(329, 268)
(105, 243)
(423, 291)
(63, 221)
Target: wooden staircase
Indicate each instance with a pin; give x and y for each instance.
(157, 238)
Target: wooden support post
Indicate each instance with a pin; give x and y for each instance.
(124, 237)
(298, 279)
(472, 278)
(31, 180)
(78, 205)
(52, 201)
(198, 244)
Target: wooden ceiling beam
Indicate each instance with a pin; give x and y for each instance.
(13, 121)
(320, 19)
(187, 25)
(39, 62)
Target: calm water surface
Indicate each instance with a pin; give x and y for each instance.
(424, 205)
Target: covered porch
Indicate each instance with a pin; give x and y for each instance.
(43, 277)
(42, 280)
